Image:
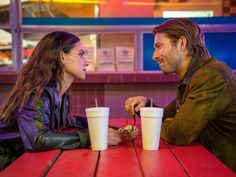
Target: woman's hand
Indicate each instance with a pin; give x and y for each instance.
(133, 104)
(113, 137)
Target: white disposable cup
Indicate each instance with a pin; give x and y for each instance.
(98, 127)
(151, 120)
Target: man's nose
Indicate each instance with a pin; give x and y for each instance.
(155, 55)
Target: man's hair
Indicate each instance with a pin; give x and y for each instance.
(177, 27)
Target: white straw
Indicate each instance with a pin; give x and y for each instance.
(96, 102)
(151, 103)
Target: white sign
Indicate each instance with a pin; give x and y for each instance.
(105, 59)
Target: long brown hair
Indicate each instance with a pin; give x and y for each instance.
(44, 65)
(177, 27)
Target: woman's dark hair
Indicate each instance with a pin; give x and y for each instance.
(44, 65)
(177, 27)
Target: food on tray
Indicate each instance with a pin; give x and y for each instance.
(128, 132)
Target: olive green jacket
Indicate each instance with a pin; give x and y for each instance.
(205, 110)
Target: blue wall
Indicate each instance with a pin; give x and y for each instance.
(223, 47)
(220, 45)
(148, 63)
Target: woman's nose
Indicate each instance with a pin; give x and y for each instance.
(85, 63)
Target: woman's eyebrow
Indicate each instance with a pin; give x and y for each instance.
(82, 50)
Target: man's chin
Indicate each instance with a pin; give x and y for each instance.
(164, 71)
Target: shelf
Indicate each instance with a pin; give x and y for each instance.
(9, 77)
(128, 78)
(7, 47)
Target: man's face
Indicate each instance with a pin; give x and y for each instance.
(166, 54)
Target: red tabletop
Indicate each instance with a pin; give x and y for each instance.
(79, 162)
(197, 161)
(31, 164)
(128, 159)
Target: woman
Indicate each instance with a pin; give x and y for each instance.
(34, 117)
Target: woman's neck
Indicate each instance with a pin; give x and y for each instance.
(66, 83)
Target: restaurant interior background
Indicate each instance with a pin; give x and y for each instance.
(118, 37)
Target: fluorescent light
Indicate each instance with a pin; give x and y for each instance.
(203, 13)
(171, 4)
(75, 1)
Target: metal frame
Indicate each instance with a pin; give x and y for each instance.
(15, 24)
(17, 30)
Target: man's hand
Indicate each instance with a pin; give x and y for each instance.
(133, 104)
(169, 119)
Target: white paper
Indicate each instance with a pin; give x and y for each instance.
(125, 58)
(105, 59)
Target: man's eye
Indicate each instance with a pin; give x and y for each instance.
(157, 46)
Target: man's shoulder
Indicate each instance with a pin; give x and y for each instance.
(216, 64)
(215, 67)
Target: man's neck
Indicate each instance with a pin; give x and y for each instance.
(184, 67)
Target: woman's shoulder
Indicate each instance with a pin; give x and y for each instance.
(50, 91)
(48, 94)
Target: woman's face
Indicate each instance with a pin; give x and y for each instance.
(74, 62)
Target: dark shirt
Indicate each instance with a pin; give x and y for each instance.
(205, 110)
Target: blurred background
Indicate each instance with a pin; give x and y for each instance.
(118, 38)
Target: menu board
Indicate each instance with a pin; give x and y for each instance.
(105, 59)
(125, 58)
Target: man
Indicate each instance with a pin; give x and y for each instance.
(205, 107)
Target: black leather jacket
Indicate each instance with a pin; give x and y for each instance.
(45, 125)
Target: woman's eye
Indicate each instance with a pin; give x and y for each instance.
(81, 53)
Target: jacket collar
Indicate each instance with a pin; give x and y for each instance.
(195, 64)
(52, 85)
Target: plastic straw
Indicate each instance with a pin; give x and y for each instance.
(96, 102)
(151, 103)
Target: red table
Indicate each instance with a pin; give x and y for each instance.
(127, 160)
